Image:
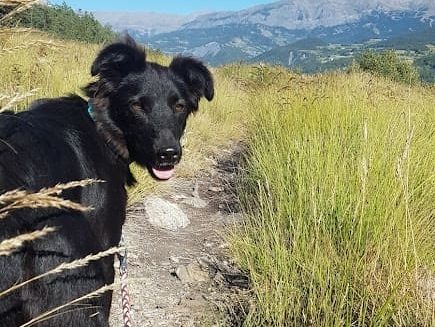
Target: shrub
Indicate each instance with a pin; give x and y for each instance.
(388, 64)
(426, 66)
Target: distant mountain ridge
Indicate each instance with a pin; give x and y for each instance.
(222, 37)
(308, 14)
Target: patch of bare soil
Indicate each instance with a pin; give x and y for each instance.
(185, 277)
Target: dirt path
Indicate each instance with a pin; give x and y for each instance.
(186, 277)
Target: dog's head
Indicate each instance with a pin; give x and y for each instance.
(141, 107)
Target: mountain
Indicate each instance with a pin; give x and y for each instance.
(222, 37)
(286, 55)
(308, 14)
(143, 24)
(415, 41)
(214, 43)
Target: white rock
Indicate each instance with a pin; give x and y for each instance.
(174, 259)
(216, 189)
(192, 273)
(164, 214)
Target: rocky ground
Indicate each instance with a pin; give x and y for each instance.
(180, 273)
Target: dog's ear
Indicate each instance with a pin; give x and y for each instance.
(119, 59)
(197, 77)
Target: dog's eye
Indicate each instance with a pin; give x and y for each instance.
(179, 107)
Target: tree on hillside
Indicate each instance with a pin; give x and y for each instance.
(426, 66)
(388, 64)
(64, 22)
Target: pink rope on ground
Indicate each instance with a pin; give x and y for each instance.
(125, 299)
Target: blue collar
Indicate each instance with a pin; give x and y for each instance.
(90, 109)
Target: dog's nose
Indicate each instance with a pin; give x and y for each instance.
(168, 155)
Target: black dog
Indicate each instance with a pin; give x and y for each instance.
(136, 112)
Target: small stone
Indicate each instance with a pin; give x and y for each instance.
(192, 273)
(178, 197)
(164, 214)
(216, 189)
(174, 259)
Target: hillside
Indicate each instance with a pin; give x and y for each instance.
(417, 41)
(287, 55)
(306, 56)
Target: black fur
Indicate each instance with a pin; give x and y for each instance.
(139, 115)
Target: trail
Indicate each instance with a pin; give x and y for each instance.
(185, 277)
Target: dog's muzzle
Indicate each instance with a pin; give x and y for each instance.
(166, 159)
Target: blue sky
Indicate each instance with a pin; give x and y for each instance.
(162, 6)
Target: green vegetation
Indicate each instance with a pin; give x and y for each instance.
(417, 41)
(63, 22)
(388, 64)
(338, 194)
(426, 67)
(400, 55)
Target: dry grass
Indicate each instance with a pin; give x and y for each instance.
(32, 66)
(9, 246)
(52, 312)
(7, 102)
(45, 198)
(31, 45)
(79, 263)
(18, 7)
(18, 3)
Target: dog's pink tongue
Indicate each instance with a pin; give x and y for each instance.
(163, 174)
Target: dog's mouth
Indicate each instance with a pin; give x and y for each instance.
(163, 172)
(165, 160)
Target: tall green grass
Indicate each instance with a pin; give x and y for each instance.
(338, 191)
